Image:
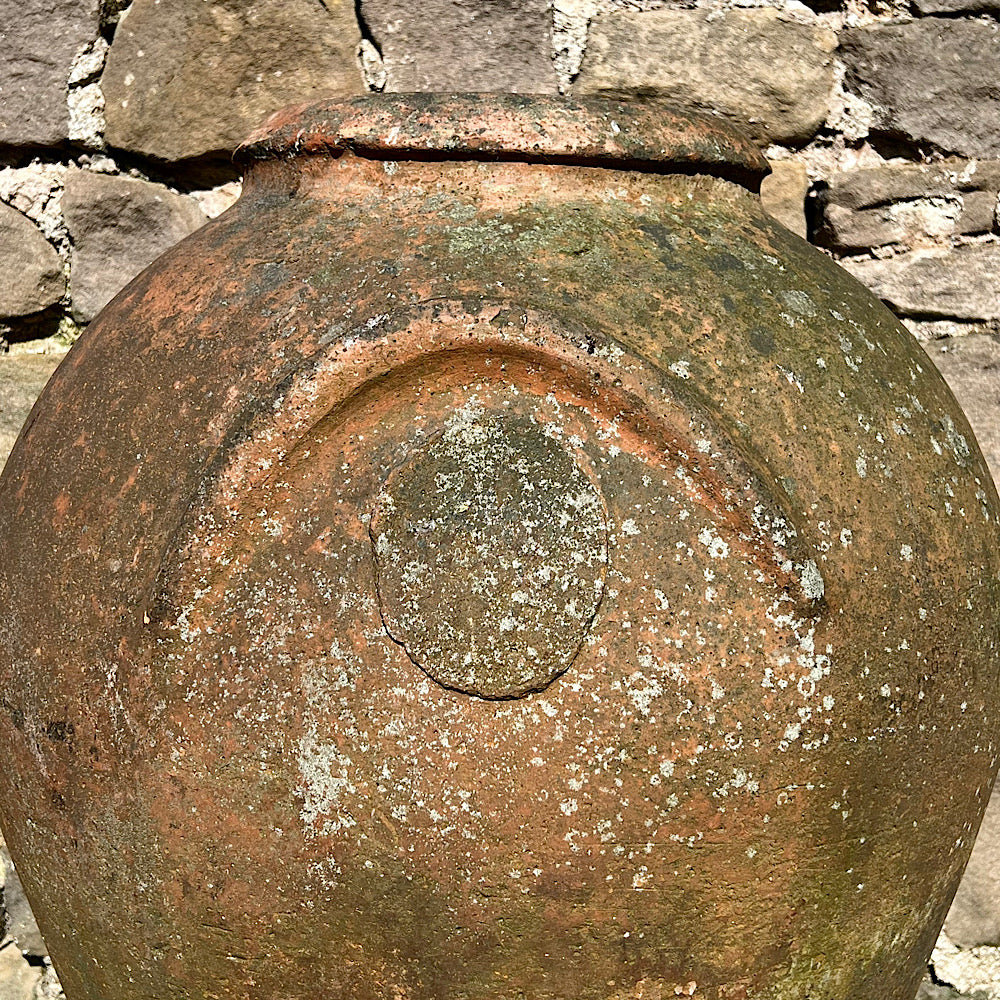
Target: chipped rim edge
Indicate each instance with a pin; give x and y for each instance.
(640, 135)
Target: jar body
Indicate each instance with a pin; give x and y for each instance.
(251, 722)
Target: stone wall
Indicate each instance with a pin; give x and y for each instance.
(881, 119)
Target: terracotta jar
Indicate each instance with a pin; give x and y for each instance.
(495, 560)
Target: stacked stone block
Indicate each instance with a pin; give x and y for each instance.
(881, 119)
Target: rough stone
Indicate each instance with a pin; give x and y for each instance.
(570, 24)
(870, 187)
(971, 972)
(971, 367)
(111, 12)
(217, 200)
(36, 191)
(49, 988)
(39, 42)
(189, 79)
(22, 378)
(18, 979)
(86, 115)
(118, 226)
(464, 45)
(783, 194)
(932, 82)
(905, 222)
(979, 212)
(21, 924)
(925, 7)
(770, 74)
(31, 272)
(907, 203)
(929, 990)
(961, 283)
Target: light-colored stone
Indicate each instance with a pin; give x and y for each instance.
(871, 187)
(21, 924)
(971, 367)
(372, 66)
(18, 979)
(909, 203)
(22, 378)
(929, 990)
(191, 78)
(570, 22)
(932, 82)
(904, 222)
(85, 98)
(926, 7)
(49, 988)
(31, 272)
(962, 283)
(769, 73)
(974, 917)
(941, 329)
(118, 226)
(86, 115)
(39, 41)
(974, 972)
(783, 194)
(36, 191)
(979, 212)
(214, 201)
(464, 45)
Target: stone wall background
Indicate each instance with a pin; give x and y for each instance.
(881, 119)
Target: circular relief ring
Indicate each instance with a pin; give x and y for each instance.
(491, 547)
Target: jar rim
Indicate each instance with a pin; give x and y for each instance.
(621, 134)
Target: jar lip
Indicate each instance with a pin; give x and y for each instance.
(626, 135)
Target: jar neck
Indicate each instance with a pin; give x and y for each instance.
(486, 185)
(602, 133)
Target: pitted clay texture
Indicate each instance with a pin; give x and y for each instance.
(491, 546)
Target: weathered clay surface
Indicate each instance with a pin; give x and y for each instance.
(646, 137)
(798, 606)
(930, 81)
(187, 79)
(962, 283)
(460, 46)
(22, 378)
(766, 72)
(491, 546)
(783, 195)
(38, 44)
(118, 226)
(31, 272)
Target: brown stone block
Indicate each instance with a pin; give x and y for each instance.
(932, 82)
(456, 46)
(191, 78)
(766, 72)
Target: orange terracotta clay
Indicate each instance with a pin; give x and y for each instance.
(495, 560)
